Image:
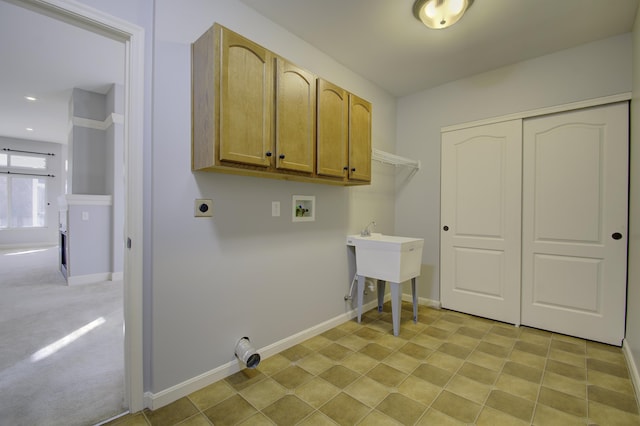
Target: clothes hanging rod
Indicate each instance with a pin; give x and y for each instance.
(27, 174)
(395, 160)
(28, 152)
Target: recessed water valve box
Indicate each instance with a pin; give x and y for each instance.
(203, 208)
(303, 208)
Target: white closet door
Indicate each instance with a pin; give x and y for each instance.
(481, 221)
(575, 189)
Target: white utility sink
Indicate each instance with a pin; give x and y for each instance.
(387, 257)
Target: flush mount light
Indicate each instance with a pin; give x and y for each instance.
(29, 129)
(31, 98)
(439, 14)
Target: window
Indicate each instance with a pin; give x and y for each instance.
(23, 191)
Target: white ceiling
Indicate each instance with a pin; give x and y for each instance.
(378, 39)
(46, 58)
(382, 41)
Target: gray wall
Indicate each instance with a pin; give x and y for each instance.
(589, 71)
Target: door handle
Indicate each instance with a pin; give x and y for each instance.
(445, 228)
(616, 235)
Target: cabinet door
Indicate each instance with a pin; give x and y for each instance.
(333, 134)
(481, 221)
(574, 235)
(359, 139)
(295, 117)
(245, 101)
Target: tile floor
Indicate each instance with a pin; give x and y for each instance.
(447, 369)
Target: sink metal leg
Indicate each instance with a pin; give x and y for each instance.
(381, 284)
(396, 306)
(415, 299)
(360, 292)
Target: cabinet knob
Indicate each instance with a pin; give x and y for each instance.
(345, 168)
(353, 170)
(616, 236)
(268, 154)
(281, 156)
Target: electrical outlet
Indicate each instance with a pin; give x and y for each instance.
(203, 208)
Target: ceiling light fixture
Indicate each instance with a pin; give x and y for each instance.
(31, 98)
(439, 14)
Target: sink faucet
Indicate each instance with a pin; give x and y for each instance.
(366, 232)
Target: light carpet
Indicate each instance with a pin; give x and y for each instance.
(61, 347)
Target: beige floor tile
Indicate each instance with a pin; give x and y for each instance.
(230, 411)
(263, 393)
(437, 332)
(433, 374)
(292, 377)
(563, 402)
(426, 341)
(608, 381)
(376, 418)
(468, 388)
(367, 391)
(273, 364)
(391, 342)
(316, 419)
(532, 348)
(529, 359)
(457, 407)
(568, 358)
(345, 410)
(368, 333)
(493, 349)
(353, 342)
(577, 388)
(492, 417)
(202, 420)
(171, 414)
(608, 368)
(339, 376)
(403, 409)
(517, 386)
(472, 332)
(296, 352)
(376, 351)
(485, 360)
(316, 343)
(500, 340)
(454, 350)
(523, 371)
(386, 375)
(605, 415)
(316, 392)
(445, 361)
(245, 378)
(571, 347)
(257, 419)
(478, 373)
(419, 390)
(511, 404)
(567, 370)
(416, 351)
(211, 395)
(402, 362)
(315, 364)
(505, 330)
(335, 351)
(621, 401)
(334, 334)
(463, 340)
(288, 410)
(434, 417)
(569, 339)
(359, 362)
(548, 416)
(447, 326)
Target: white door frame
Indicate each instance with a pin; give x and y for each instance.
(133, 37)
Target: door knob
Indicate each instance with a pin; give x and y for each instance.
(616, 235)
(446, 228)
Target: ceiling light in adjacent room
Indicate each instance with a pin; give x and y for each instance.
(29, 129)
(31, 98)
(440, 14)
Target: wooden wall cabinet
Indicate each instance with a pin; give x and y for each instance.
(254, 113)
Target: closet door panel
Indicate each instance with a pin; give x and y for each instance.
(480, 221)
(575, 188)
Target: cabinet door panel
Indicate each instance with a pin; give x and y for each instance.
(246, 98)
(333, 116)
(359, 139)
(295, 117)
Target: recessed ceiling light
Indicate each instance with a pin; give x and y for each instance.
(31, 98)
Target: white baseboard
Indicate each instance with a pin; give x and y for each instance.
(154, 401)
(116, 276)
(88, 279)
(633, 369)
(423, 301)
